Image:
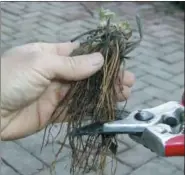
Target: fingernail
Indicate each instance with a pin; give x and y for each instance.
(97, 59)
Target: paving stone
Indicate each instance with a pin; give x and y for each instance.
(155, 102)
(71, 25)
(132, 63)
(130, 10)
(175, 68)
(60, 5)
(178, 172)
(50, 25)
(155, 62)
(148, 44)
(121, 169)
(134, 54)
(61, 167)
(154, 27)
(15, 12)
(4, 49)
(150, 39)
(32, 15)
(45, 31)
(51, 18)
(134, 105)
(60, 135)
(6, 170)
(21, 41)
(158, 82)
(163, 33)
(155, 166)
(155, 71)
(10, 16)
(6, 37)
(173, 22)
(137, 107)
(121, 147)
(139, 85)
(134, 157)
(150, 52)
(21, 35)
(137, 71)
(177, 162)
(145, 7)
(167, 40)
(30, 26)
(17, 6)
(158, 93)
(76, 15)
(175, 56)
(56, 13)
(138, 98)
(33, 145)
(27, 22)
(64, 166)
(126, 140)
(35, 7)
(20, 159)
(171, 48)
(90, 5)
(158, 63)
(92, 21)
(179, 79)
(177, 94)
(7, 30)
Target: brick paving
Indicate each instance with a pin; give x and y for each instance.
(158, 65)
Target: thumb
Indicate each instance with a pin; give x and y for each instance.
(72, 68)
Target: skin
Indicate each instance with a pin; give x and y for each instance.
(36, 76)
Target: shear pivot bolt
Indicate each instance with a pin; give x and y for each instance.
(144, 116)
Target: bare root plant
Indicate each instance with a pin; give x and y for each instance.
(95, 96)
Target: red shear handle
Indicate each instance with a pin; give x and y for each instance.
(175, 146)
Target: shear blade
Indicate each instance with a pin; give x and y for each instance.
(91, 129)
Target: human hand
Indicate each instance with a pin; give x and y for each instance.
(33, 81)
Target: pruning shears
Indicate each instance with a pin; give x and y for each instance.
(160, 129)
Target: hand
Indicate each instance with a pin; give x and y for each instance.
(33, 80)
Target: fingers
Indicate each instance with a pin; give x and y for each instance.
(81, 67)
(49, 101)
(63, 49)
(123, 93)
(123, 85)
(125, 78)
(70, 68)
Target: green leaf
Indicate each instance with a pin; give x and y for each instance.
(124, 25)
(106, 14)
